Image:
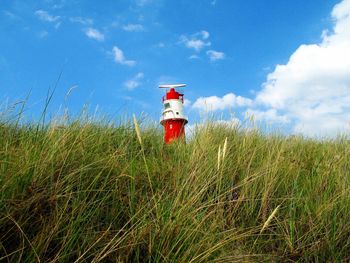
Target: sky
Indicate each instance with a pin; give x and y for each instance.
(285, 62)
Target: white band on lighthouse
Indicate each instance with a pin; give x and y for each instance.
(173, 109)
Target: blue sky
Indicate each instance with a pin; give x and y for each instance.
(286, 62)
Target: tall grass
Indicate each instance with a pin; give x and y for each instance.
(92, 191)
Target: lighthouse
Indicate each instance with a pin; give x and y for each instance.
(173, 118)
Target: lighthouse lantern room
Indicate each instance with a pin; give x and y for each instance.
(173, 118)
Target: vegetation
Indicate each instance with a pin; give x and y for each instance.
(93, 191)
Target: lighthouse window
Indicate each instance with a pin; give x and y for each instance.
(171, 126)
(167, 105)
(177, 113)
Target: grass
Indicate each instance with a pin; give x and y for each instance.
(94, 191)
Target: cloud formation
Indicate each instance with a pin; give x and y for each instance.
(311, 92)
(82, 20)
(204, 34)
(94, 34)
(45, 16)
(133, 28)
(196, 41)
(313, 88)
(214, 103)
(133, 83)
(119, 57)
(215, 55)
(199, 41)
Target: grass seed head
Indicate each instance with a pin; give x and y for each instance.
(137, 129)
(224, 149)
(219, 157)
(268, 221)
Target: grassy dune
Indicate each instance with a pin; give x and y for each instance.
(90, 191)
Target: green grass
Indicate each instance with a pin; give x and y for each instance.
(92, 191)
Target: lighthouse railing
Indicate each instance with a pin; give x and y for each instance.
(181, 97)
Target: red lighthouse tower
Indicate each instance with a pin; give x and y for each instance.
(173, 118)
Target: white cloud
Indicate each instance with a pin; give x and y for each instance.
(134, 82)
(131, 84)
(214, 103)
(45, 16)
(310, 93)
(196, 44)
(196, 41)
(270, 115)
(215, 55)
(133, 28)
(313, 88)
(205, 34)
(119, 58)
(81, 20)
(94, 34)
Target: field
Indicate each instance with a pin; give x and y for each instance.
(88, 190)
